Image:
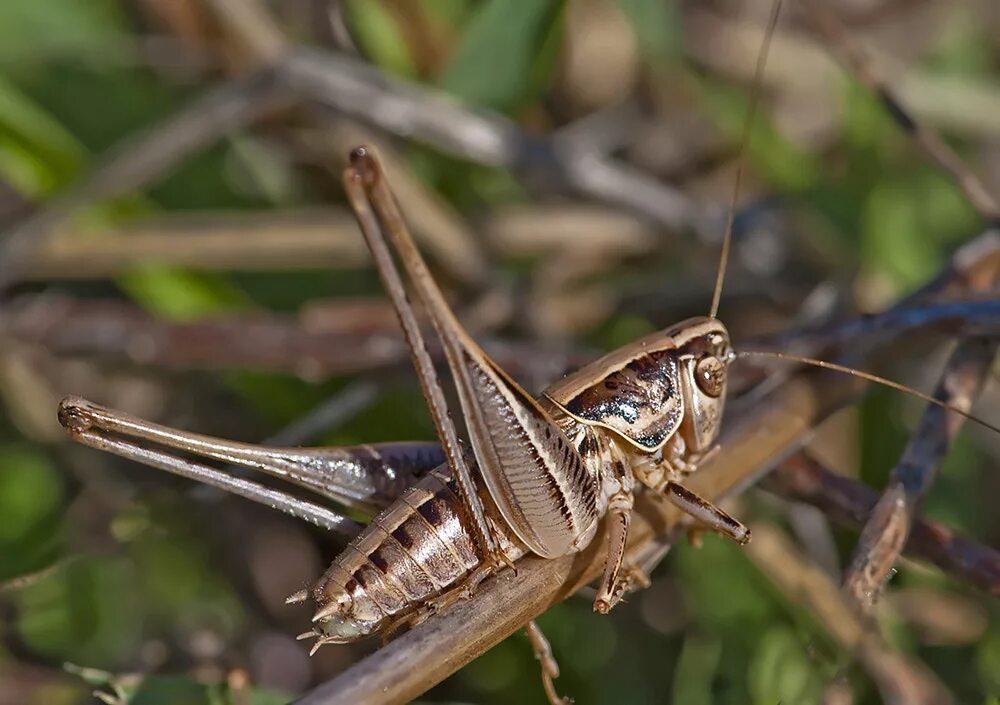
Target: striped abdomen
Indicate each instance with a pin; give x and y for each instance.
(417, 548)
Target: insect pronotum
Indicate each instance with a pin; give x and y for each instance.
(538, 475)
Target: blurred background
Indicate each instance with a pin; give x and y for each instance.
(176, 245)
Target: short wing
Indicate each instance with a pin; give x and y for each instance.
(533, 472)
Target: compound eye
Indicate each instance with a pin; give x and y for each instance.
(710, 375)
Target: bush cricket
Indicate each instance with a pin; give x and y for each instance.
(548, 469)
(536, 476)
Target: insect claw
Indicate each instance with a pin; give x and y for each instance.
(744, 539)
(504, 560)
(315, 647)
(307, 635)
(297, 597)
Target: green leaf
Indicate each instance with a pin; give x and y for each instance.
(966, 44)
(495, 670)
(780, 671)
(494, 64)
(30, 492)
(37, 154)
(450, 12)
(781, 162)
(380, 37)
(181, 294)
(87, 610)
(625, 329)
(261, 696)
(866, 125)
(29, 28)
(276, 397)
(715, 602)
(892, 234)
(945, 214)
(696, 669)
(656, 24)
(31, 530)
(170, 690)
(988, 662)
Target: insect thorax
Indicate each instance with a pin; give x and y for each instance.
(661, 397)
(643, 390)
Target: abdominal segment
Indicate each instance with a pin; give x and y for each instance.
(416, 549)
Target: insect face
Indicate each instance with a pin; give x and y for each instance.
(704, 353)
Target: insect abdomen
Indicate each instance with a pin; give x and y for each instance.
(415, 549)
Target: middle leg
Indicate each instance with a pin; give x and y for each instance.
(620, 500)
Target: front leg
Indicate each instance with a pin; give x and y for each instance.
(666, 474)
(704, 511)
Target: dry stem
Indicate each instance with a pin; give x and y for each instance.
(848, 502)
(974, 269)
(889, 525)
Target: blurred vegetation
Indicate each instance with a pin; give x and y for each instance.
(118, 570)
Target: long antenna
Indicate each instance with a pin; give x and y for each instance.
(758, 74)
(870, 378)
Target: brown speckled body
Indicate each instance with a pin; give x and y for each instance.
(421, 546)
(534, 475)
(413, 550)
(639, 406)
